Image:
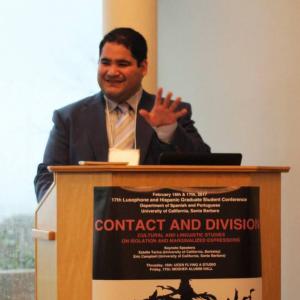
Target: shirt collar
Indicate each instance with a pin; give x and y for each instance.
(133, 101)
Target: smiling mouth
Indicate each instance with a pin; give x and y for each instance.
(113, 83)
(114, 80)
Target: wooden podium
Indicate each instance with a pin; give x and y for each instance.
(64, 219)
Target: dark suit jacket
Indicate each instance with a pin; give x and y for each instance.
(79, 133)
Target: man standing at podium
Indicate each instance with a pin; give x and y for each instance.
(122, 121)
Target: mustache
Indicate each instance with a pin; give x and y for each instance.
(114, 80)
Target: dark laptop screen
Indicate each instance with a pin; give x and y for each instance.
(212, 159)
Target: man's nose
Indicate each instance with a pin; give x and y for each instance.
(113, 70)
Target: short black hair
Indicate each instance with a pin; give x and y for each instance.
(131, 39)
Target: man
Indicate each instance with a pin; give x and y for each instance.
(93, 128)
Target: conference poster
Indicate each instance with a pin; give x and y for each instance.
(176, 243)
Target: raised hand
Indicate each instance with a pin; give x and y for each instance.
(164, 110)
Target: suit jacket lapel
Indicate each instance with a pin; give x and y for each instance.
(95, 123)
(96, 128)
(144, 131)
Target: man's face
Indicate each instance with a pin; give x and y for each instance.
(119, 76)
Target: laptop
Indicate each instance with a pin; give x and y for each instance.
(212, 159)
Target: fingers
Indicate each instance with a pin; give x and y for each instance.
(158, 99)
(164, 110)
(167, 101)
(175, 103)
(144, 113)
(181, 113)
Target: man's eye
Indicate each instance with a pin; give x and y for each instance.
(105, 62)
(123, 64)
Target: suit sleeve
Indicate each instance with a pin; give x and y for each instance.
(186, 137)
(56, 153)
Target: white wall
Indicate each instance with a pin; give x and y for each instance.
(238, 63)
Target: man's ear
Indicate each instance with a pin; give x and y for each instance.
(144, 67)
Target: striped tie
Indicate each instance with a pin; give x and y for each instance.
(124, 129)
